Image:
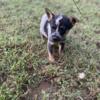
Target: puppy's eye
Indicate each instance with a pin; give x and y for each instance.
(54, 27)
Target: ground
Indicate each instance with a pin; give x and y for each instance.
(26, 73)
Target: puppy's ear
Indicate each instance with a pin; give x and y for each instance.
(73, 20)
(49, 14)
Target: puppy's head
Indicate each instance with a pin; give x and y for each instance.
(58, 25)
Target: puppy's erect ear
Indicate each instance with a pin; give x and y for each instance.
(73, 20)
(49, 14)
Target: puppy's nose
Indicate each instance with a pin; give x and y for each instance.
(55, 38)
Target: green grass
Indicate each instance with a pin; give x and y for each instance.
(23, 57)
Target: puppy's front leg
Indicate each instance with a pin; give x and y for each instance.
(61, 48)
(50, 52)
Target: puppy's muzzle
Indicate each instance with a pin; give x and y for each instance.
(56, 37)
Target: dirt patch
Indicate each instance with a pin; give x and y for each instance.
(44, 87)
(38, 93)
(98, 45)
(97, 31)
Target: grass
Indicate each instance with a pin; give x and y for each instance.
(23, 57)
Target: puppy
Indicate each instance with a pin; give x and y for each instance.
(54, 28)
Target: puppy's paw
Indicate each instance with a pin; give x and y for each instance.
(51, 59)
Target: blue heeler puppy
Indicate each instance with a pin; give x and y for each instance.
(54, 28)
